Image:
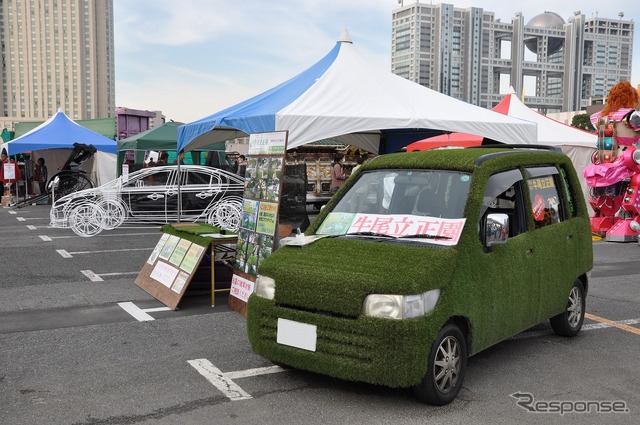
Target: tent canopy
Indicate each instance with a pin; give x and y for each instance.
(162, 138)
(103, 126)
(159, 138)
(59, 131)
(550, 131)
(343, 97)
(445, 140)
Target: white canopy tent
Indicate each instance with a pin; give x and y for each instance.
(579, 145)
(344, 98)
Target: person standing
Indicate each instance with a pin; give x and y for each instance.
(163, 159)
(41, 175)
(359, 161)
(242, 165)
(179, 159)
(337, 173)
(5, 173)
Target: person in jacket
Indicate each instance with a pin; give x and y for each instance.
(337, 173)
(7, 176)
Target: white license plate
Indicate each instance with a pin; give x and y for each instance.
(296, 334)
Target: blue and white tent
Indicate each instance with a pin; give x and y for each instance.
(53, 140)
(344, 98)
(59, 131)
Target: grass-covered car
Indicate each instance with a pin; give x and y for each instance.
(423, 259)
(161, 194)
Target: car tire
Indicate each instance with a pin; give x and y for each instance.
(86, 220)
(569, 322)
(445, 368)
(115, 213)
(226, 214)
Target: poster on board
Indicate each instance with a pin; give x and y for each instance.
(169, 269)
(259, 222)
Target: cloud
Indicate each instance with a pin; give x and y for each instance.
(195, 57)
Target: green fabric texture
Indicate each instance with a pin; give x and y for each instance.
(103, 126)
(192, 232)
(493, 294)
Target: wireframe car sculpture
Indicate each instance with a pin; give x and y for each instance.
(160, 194)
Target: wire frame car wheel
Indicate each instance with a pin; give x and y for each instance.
(226, 214)
(114, 213)
(87, 220)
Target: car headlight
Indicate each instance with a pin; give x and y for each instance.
(400, 306)
(265, 287)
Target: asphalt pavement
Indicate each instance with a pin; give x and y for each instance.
(71, 352)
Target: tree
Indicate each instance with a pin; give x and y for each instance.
(582, 121)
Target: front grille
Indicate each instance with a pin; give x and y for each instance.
(337, 337)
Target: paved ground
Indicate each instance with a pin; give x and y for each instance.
(71, 354)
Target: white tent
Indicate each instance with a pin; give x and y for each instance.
(343, 97)
(579, 145)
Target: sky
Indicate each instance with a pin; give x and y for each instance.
(192, 58)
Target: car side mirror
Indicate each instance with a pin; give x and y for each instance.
(496, 229)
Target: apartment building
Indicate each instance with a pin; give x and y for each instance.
(56, 54)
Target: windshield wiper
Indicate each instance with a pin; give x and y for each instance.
(424, 236)
(374, 234)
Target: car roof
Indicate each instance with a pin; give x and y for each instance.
(470, 159)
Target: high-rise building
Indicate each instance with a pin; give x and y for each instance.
(470, 55)
(56, 54)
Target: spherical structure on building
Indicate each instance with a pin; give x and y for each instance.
(550, 20)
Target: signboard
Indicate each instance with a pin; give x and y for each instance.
(440, 231)
(9, 170)
(259, 222)
(169, 269)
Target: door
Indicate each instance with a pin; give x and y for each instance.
(151, 196)
(508, 271)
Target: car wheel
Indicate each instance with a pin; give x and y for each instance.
(569, 322)
(86, 220)
(445, 368)
(226, 214)
(114, 213)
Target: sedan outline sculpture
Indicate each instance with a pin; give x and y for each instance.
(150, 196)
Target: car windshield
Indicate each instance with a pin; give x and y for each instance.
(425, 205)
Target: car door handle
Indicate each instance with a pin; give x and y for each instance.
(204, 195)
(155, 196)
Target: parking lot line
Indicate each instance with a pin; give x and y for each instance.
(92, 276)
(255, 372)
(612, 323)
(102, 235)
(141, 314)
(67, 254)
(219, 380)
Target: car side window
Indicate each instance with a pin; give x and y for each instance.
(158, 179)
(504, 195)
(198, 178)
(547, 207)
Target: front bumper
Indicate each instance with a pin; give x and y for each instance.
(378, 351)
